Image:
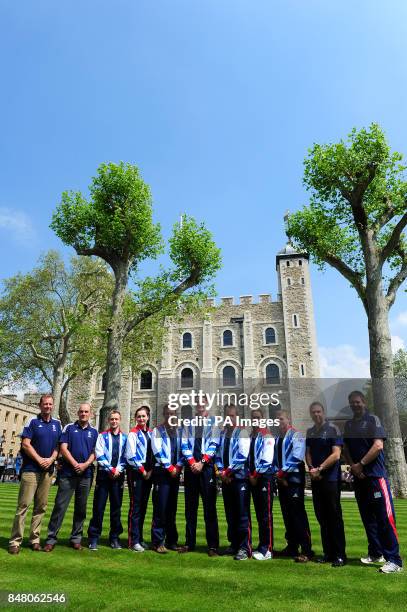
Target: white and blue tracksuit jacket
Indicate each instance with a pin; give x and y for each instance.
(103, 451)
(161, 447)
(293, 452)
(136, 448)
(263, 453)
(210, 442)
(238, 453)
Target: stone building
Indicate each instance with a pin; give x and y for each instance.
(243, 346)
(13, 417)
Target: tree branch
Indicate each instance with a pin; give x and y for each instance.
(353, 277)
(398, 279)
(38, 356)
(394, 238)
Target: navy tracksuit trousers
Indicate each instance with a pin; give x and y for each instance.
(297, 530)
(204, 485)
(376, 509)
(262, 494)
(236, 499)
(165, 498)
(112, 489)
(139, 491)
(326, 497)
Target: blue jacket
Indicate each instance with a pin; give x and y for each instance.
(136, 448)
(263, 453)
(161, 447)
(293, 452)
(210, 442)
(103, 451)
(238, 453)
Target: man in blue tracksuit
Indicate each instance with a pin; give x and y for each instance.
(261, 477)
(168, 462)
(324, 444)
(363, 437)
(77, 445)
(110, 448)
(232, 462)
(290, 472)
(199, 444)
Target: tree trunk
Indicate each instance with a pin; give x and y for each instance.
(381, 370)
(115, 346)
(59, 406)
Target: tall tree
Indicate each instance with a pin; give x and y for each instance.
(52, 323)
(116, 224)
(355, 222)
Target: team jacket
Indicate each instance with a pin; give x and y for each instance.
(238, 453)
(136, 448)
(263, 453)
(103, 451)
(161, 447)
(210, 442)
(293, 452)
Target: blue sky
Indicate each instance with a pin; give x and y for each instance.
(217, 102)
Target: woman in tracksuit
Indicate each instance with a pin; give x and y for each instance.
(261, 485)
(166, 446)
(139, 460)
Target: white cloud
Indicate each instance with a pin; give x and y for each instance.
(17, 224)
(401, 319)
(343, 361)
(397, 343)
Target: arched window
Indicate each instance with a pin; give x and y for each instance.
(103, 382)
(187, 378)
(272, 374)
(146, 380)
(270, 335)
(227, 338)
(229, 376)
(187, 340)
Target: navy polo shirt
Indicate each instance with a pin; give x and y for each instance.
(81, 443)
(320, 443)
(44, 436)
(358, 437)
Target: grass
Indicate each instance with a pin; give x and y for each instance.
(122, 580)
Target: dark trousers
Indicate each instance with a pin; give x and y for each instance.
(204, 485)
(236, 499)
(139, 492)
(262, 494)
(165, 499)
(376, 509)
(112, 489)
(326, 497)
(297, 531)
(80, 486)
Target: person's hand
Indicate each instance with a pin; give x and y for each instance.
(315, 474)
(148, 474)
(282, 481)
(45, 463)
(225, 478)
(357, 470)
(253, 480)
(80, 467)
(198, 467)
(174, 473)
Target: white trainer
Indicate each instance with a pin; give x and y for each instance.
(369, 560)
(260, 557)
(389, 568)
(137, 548)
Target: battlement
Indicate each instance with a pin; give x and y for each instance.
(243, 300)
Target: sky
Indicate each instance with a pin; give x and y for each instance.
(217, 102)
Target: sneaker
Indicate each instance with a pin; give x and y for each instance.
(229, 552)
(259, 556)
(160, 549)
(93, 545)
(115, 544)
(389, 568)
(213, 552)
(286, 552)
(173, 547)
(338, 562)
(368, 560)
(241, 555)
(145, 545)
(137, 548)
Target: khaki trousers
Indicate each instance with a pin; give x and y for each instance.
(34, 486)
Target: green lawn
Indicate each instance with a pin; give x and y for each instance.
(122, 580)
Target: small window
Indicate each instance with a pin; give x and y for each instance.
(288, 281)
(187, 378)
(229, 376)
(6, 417)
(187, 340)
(272, 374)
(296, 320)
(302, 280)
(288, 264)
(146, 380)
(227, 338)
(103, 382)
(300, 262)
(302, 369)
(15, 418)
(270, 335)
